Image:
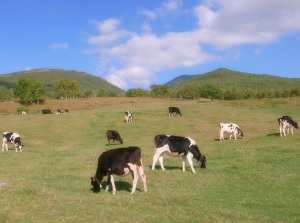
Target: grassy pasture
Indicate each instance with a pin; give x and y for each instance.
(255, 179)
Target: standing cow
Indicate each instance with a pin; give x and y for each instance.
(46, 111)
(114, 135)
(177, 146)
(11, 137)
(173, 110)
(285, 123)
(128, 116)
(120, 161)
(230, 128)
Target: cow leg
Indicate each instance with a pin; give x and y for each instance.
(108, 183)
(159, 156)
(183, 163)
(190, 161)
(292, 131)
(143, 177)
(221, 135)
(112, 180)
(161, 161)
(135, 176)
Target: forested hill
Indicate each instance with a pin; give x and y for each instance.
(49, 76)
(224, 79)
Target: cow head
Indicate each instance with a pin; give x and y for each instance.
(240, 132)
(296, 125)
(96, 184)
(202, 162)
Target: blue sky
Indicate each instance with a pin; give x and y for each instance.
(137, 43)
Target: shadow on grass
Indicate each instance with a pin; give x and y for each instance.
(120, 186)
(274, 134)
(166, 167)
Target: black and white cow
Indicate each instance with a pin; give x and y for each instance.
(46, 111)
(128, 116)
(231, 128)
(62, 111)
(114, 135)
(120, 161)
(176, 146)
(174, 110)
(286, 123)
(11, 137)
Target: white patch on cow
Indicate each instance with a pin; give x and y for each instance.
(192, 142)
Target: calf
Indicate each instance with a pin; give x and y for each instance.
(120, 161)
(230, 128)
(174, 110)
(128, 116)
(62, 111)
(12, 138)
(46, 111)
(286, 123)
(114, 135)
(177, 146)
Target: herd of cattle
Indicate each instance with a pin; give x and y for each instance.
(128, 160)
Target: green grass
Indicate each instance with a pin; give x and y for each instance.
(255, 179)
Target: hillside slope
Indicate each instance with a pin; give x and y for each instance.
(50, 76)
(224, 79)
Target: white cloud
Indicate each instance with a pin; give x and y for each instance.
(223, 24)
(56, 46)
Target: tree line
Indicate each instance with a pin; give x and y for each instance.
(33, 92)
(194, 91)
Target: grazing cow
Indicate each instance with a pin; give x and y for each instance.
(46, 111)
(114, 135)
(128, 116)
(230, 128)
(174, 110)
(120, 161)
(24, 113)
(285, 123)
(62, 111)
(12, 138)
(177, 146)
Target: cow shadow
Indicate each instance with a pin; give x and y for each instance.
(157, 167)
(274, 134)
(120, 186)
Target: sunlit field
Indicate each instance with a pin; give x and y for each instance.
(255, 179)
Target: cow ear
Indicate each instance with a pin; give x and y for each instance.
(93, 178)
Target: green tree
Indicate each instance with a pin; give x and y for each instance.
(137, 92)
(210, 91)
(159, 91)
(66, 88)
(189, 91)
(30, 91)
(102, 93)
(5, 94)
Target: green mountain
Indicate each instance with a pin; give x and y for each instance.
(50, 76)
(225, 79)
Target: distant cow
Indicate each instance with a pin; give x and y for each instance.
(128, 116)
(24, 113)
(120, 161)
(177, 146)
(173, 110)
(62, 111)
(11, 137)
(231, 128)
(46, 111)
(285, 123)
(114, 135)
